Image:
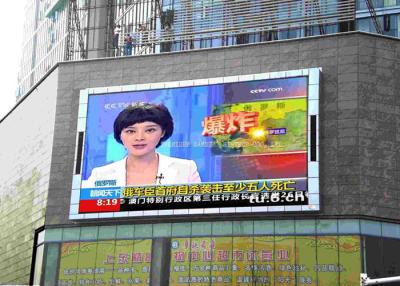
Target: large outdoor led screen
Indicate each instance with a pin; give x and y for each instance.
(239, 144)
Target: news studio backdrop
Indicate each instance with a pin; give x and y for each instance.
(254, 139)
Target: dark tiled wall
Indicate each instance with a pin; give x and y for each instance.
(359, 122)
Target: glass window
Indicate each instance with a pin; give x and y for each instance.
(390, 25)
(38, 265)
(284, 226)
(68, 263)
(327, 226)
(179, 263)
(40, 237)
(328, 260)
(283, 34)
(244, 251)
(284, 260)
(86, 260)
(221, 261)
(141, 262)
(201, 228)
(125, 231)
(161, 230)
(205, 43)
(378, 3)
(181, 229)
(242, 227)
(293, 33)
(216, 42)
(349, 226)
(254, 37)
(364, 25)
(306, 226)
(89, 233)
(53, 235)
(107, 232)
(143, 230)
(104, 260)
(387, 19)
(349, 260)
(330, 29)
(222, 228)
(361, 5)
(390, 230)
(50, 272)
(370, 227)
(196, 44)
(201, 257)
(124, 250)
(381, 23)
(71, 233)
(264, 227)
(306, 259)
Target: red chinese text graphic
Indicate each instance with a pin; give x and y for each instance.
(128, 258)
(229, 123)
(219, 255)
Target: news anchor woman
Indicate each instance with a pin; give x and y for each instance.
(141, 128)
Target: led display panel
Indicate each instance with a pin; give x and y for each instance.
(246, 143)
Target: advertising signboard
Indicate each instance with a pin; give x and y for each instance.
(107, 262)
(203, 261)
(265, 260)
(246, 143)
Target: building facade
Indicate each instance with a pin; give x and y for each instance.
(351, 225)
(60, 30)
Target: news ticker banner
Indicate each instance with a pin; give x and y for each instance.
(215, 195)
(254, 139)
(244, 260)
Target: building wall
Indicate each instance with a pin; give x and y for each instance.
(358, 109)
(379, 119)
(25, 158)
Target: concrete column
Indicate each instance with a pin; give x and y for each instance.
(160, 262)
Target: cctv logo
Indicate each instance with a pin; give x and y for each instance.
(264, 90)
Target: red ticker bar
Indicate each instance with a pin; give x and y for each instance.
(101, 205)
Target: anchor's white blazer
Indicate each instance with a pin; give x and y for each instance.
(170, 171)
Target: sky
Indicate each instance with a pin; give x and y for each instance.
(11, 27)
